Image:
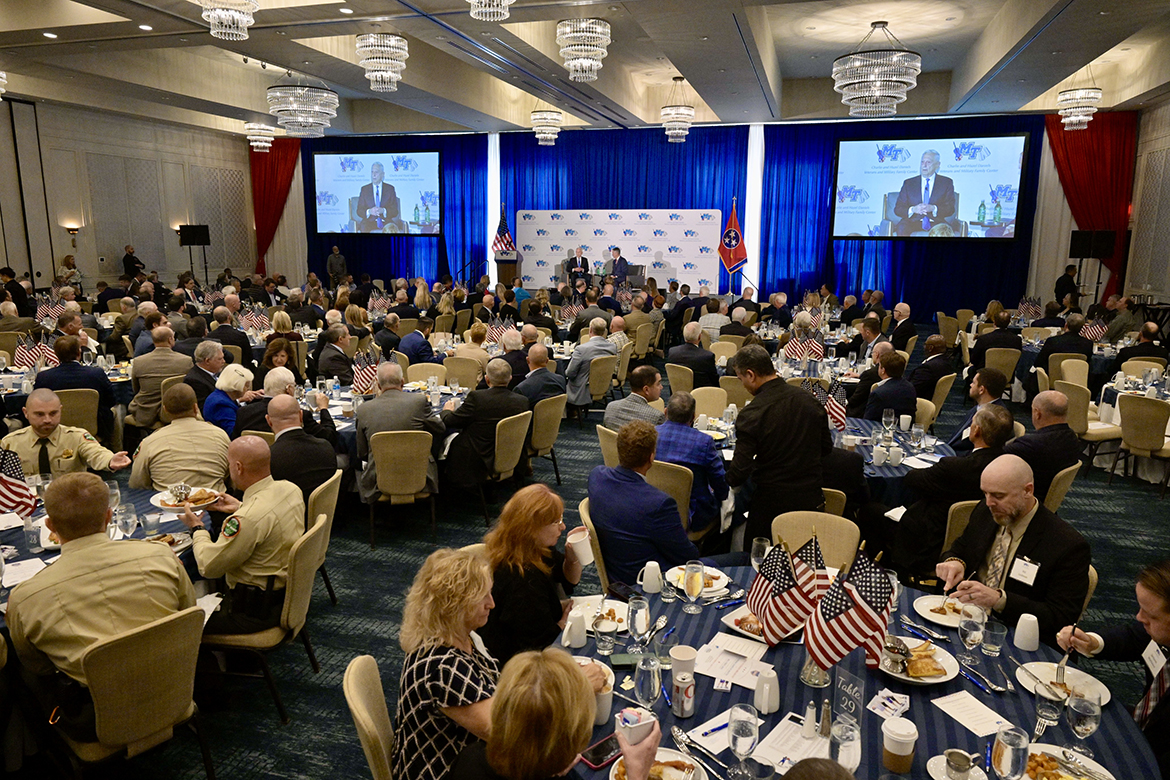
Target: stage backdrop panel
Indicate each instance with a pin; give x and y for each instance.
(675, 245)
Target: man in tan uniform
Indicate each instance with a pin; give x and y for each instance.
(148, 371)
(65, 449)
(188, 450)
(253, 548)
(97, 589)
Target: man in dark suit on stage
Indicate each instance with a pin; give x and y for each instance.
(903, 328)
(621, 268)
(933, 367)
(1067, 283)
(1000, 338)
(377, 203)
(1016, 556)
(303, 459)
(1069, 341)
(540, 383)
(1053, 446)
(925, 200)
(986, 388)
(1145, 348)
(473, 452)
(892, 391)
(692, 355)
(577, 267)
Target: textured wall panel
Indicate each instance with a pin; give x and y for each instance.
(108, 208)
(237, 219)
(1149, 266)
(12, 244)
(144, 209)
(207, 208)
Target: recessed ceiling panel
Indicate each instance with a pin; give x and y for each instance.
(18, 15)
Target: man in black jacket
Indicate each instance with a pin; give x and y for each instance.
(196, 335)
(209, 361)
(472, 454)
(226, 334)
(1145, 348)
(540, 383)
(279, 381)
(1066, 284)
(1053, 446)
(903, 328)
(387, 338)
(1000, 338)
(933, 367)
(298, 456)
(17, 293)
(1069, 341)
(986, 388)
(855, 407)
(851, 311)
(692, 355)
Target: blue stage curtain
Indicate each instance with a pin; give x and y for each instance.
(463, 160)
(798, 252)
(626, 169)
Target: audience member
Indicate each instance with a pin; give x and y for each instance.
(227, 333)
(278, 354)
(473, 347)
(591, 312)
(232, 387)
(196, 335)
(12, 322)
(334, 362)
(1070, 340)
(209, 361)
(736, 327)
(637, 316)
(745, 302)
(148, 372)
(514, 355)
(472, 454)
(715, 318)
(187, 450)
(903, 328)
(1051, 318)
(1053, 446)
(387, 339)
(1124, 321)
(986, 388)
(144, 344)
(394, 410)
(1000, 338)
(297, 456)
(692, 355)
(578, 370)
(416, 345)
(934, 366)
(540, 383)
(71, 374)
(1147, 347)
(892, 391)
(46, 446)
(679, 442)
(855, 406)
(645, 386)
(851, 311)
(617, 332)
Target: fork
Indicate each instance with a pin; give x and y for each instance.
(1064, 661)
(993, 686)
(1008, 680)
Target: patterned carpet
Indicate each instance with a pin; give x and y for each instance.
(1125, 524)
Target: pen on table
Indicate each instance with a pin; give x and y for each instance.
(665, 694)
(988, 759)
(711, 731)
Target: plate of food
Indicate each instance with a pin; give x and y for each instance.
(49, 539)
(615, 610)
(714, 581)
(668, 765)
(1046, 762)
(1074, 679)
(178, 542)
(917, 661)
(199, 498)
(716, 435)
(939, 609)
(742, 621)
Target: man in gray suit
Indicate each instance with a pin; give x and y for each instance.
(394, 410)
(148, 372)
(578, 371)
(12, 322)
(586, 317)
(333, 361)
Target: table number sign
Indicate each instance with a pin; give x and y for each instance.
(848, 696)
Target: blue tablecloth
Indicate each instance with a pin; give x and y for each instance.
(1099, 365)
(123, 393)
(1119, 746)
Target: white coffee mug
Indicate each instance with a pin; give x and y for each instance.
(650, 577)
(895, 457)
(578, 539)
(904, 422)
(1027, 635)
(574, 635)
(879, 456)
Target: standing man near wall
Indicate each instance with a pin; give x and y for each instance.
(335, 267)
(132, 264)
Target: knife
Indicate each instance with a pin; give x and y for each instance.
(685, 750)
(1053, 694)
(980, 685)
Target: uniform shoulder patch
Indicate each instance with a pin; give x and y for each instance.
(88, 437)
(231, 527)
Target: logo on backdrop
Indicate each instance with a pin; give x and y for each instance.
(672, 250)
(527, 217)
(403, 163)
(526, 278)
(556, 217)
(541, 263)
(705, 282)
(658, 264)
(672, 279)
(705, 250)
(541, 232)
(643, 249)
(1003, 192)
(892, 153)
(852, 193)
(704, 217)
(690, 233)
(689, 266)
(528, 248)
(598, 232)
(584, 216)
(659, 233)
(969, 150)
(675, 217)
(570, 232)
(555, 248)
(326, 199)
(629, 233)
(587, 248)
(353, 164)
(614, 217)
(644, 217)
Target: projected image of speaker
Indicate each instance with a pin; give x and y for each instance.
(194, 235)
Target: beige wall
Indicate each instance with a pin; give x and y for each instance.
(1149, 258)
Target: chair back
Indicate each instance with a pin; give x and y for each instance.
(351, 348)
(92, 333)
(1143, 423)
(798, 381)
(1042, 379)
(304, 559)
(464, 369)
(680, 377)
(236, 353)
(601, 370)
(730, 339)
(462, 320)
(675, 481)
(301, 355)
(594, 543)
(723, 348)
(609, 449)
(8, 343)
(1018, 429)
(642, 338)
(705, 339)
(710, 401)
(1092, 587)
(479, 548)
(402, 359)
(510, 435)
(407, 326)
(267, 436)
(1060, 485)
(444, 323)
(380, 284)
(1033, 333)
(623, 366)
(166, 385)
(1055, 361)
(941, 390)
(963, 317)
(544, 333)
(1003, 359)
(886, 322)
(949, 328)
(957, 518)
(1139, 367)
(323, 501)
(585, 336)
(79, 407)
(925, 413)
(1078, 406)
(834, 501)
(985, 327)
(7, 357)
(1075, 371)
(905, 355)
(114, 305)
(556, 311)
(965, 348)
(658, 404)
(837, 536)
(421, 372)
(546, 422)
(523, 308)
(736, 393)
(910, 344)
(130, 347)
(137, 709)
(400, 461)
(475, 308)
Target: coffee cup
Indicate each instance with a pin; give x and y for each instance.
(682, 659)
(899, 737)
(880, 454)
(905, 421)
(347, 409)
(650, 577)
(1027, 635)
(578, 539)
(605, 697)
(574, 635)
(895, 456)
(850, 442)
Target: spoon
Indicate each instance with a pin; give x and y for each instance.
(736, 594)
(659, 624)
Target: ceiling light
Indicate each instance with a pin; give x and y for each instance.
(384, 58)
(583, 45)
(546, 124)
(345, 10)
(303, 107)
(229, 19)
(259, 136)
(145, 27)
(677, 117)
(49, 35)
(873, 81)
(490, 10)
(1077, 106)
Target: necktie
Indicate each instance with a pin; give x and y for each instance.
(43, 458)
(1145, 707)
(999, 556)
(378, 202)
(926, 201)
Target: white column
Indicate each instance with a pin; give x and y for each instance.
(493, 199)
(753, 204)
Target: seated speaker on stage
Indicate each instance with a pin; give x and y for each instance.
(925, 200)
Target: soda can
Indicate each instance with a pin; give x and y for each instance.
(683, 698)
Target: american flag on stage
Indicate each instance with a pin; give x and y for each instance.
(15, 494)
(778, 597)
(1094, 330)
(809, 559)
(503, 240)
(853, 613)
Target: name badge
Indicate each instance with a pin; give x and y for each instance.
(966, 433)
(1154, 657)
(1024, 570)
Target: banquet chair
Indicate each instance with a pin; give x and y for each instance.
(1031, 333)
(1042, 382)
(1003, 359)
(479, 548)
(941, 390)
(658, 404)
(963, 317)
(736, 393)
(323, 502)
(444, 323)
(710, 401)
(543, 333)
(79, 408)
(724, 349)
(1060, 485)
(366, 698)
(838, 537)
(524, 304)
(1075, 371)
(676, 481)
(421, 372)
(137, 705)
(7, 357)
(1143, 432)
(705, 340)
(732, 339)
(1055, 362)
(510, 435)
(834, 501)
(114, 306)
(642, 338)
(301, 348)
(985, 327)
(965, 348)
(407, 326)
(462, 320)
(886, 320)
(1018, 430)
(8, 342)
(948, 327)
(680, 377)
(1138, 368)
(464, 369)
(402, 359)
(236, 353)
(130, 347)
(1079, 419)
(594, 544)
(555, 312)
(910, 344)
(267, 436)
(1093, 578)
(623, 367)
(351, 348)
(601, 370)
(958, 516)
(400, 461)
(379, 283)
(475, 307)
(92, 333)
(925, 413)
(905, 355)
(166, 385)
(269, 311)
(798, 381)
(658, 338)
(546, 426)
(750, 319)
(302, 570)
(86, 306)
(585, 336)
(609, 450)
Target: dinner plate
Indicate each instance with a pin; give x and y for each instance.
(589, 605)
(1073, 677)
(945, 660)
(923, 605)
(157, 500)
(730, 618)
(718, 587)
(1054, 750)
(45, 542)
(716, 435)
(666, 754)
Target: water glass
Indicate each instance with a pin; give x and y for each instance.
(86, 357)
(760, 547)
(972, 620)
(150, 523)
(889, 419)
(1083, 711)
(743, 734)
(917, 433)
(663, 644)
(638, 622)
(1047, 714)
(41, 483)
(994, 635)
(693, 586)
(115, 492)
(606, 632)
(928, 443)
(853, 358)
(126, 518)
(895, 590)
(647, 681)
(845, 744)
(1009, 755)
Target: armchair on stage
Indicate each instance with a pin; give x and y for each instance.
(889, 224)
(636, 275)
(393, 225)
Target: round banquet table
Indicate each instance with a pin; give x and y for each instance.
(1099, 365)
(347, 426)
(1118, 744)
(14, 400)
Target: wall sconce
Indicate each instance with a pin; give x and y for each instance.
(72, 231)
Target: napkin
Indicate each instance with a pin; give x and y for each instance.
(208, 604)
(718, 741)
(896, 513)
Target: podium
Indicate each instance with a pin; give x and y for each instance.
(505, 267)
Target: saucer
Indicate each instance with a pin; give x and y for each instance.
(937, 768)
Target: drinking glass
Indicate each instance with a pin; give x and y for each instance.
(42, 484)
(126, 518)
(1009, 755)
(994, 635)
(917, 433)
(845, 744)
(889, 419)
(743, 733)
(760, 547)
(115, 493)
(150, 523)
(86, 357)
(3, 362)
(693, 586)
(1047, 714)
(853, 358)
(928, 443)
(663, 644)
(647, 680)
(972, 619)
(639, 624)
(606, 631)
(1083, 711)
(895, 590)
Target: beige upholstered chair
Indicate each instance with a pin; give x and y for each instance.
(236, 353)
(751, 318)
(1059, 487)
(905, 355)
(268, 436)
(736, 341)
(1003, 359)
(834, 501)
(130, 347)
(402, 359)
(608, 441)
(723, 348)
(838, 537)
(623, 366)
(594, 544)
(798, 381)
(444, 323)
(1054, 364)
(643, 338)
(301, 350)
(421, 372)
(910, 344)
(965, 349)
(351, 348)
(362, 685)
(1092, 589)
(680, 377)
(166, 385)
(323, 501)
(601, 370)
(985, 327)
(1018, 429)
(949, 328)
(736, 393)
(79, 407)
(114, 305)
(925, 413)
(676, 481)
(1042, 380)
(705, 339)
(510, 435)
(407, 326)
(400, 461)
(464, 369)
(1031, 333)
(658, 404)
(1078, 420)
(7, 357)
(462, 320)
(963, 317)
(1140, 367)
(941, 390)
(585, 336)
(546, 426)
(886, 320)
(302, 570)
(710, 401)
(8, 342)
(957, 519)
(1075, 371)
(544, 333)
(1143, 432)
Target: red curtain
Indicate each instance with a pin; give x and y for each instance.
(272, 175)
(1096, 168)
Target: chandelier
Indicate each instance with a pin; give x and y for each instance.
(677, 117)
(259, 136)
(384, 58)
(490, 10)
(1078, 104)
(546, 123)
(583, 43)
(229, 19)
(873, 81)
(301, 108)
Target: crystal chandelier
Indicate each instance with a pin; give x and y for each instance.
(583, 43)
(546, 123)
(677, 117)
(873, 81)
(259, 136)
(384, 58)
(490, 10)
(229, 19)
(301, 108)
(1078, 104)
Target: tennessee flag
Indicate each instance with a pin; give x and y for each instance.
(731, 248)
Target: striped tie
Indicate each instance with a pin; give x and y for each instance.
(999, 556)
(1145, 707)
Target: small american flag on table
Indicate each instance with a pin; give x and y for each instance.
(808, 558)
(570, 311)
(853, 613)
(46, 353)
(778, 597)
(26, 354)
(15, 494)
(1095, 330)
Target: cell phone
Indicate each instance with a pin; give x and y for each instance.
(621, 591)
(603, 753)
(623, 660)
